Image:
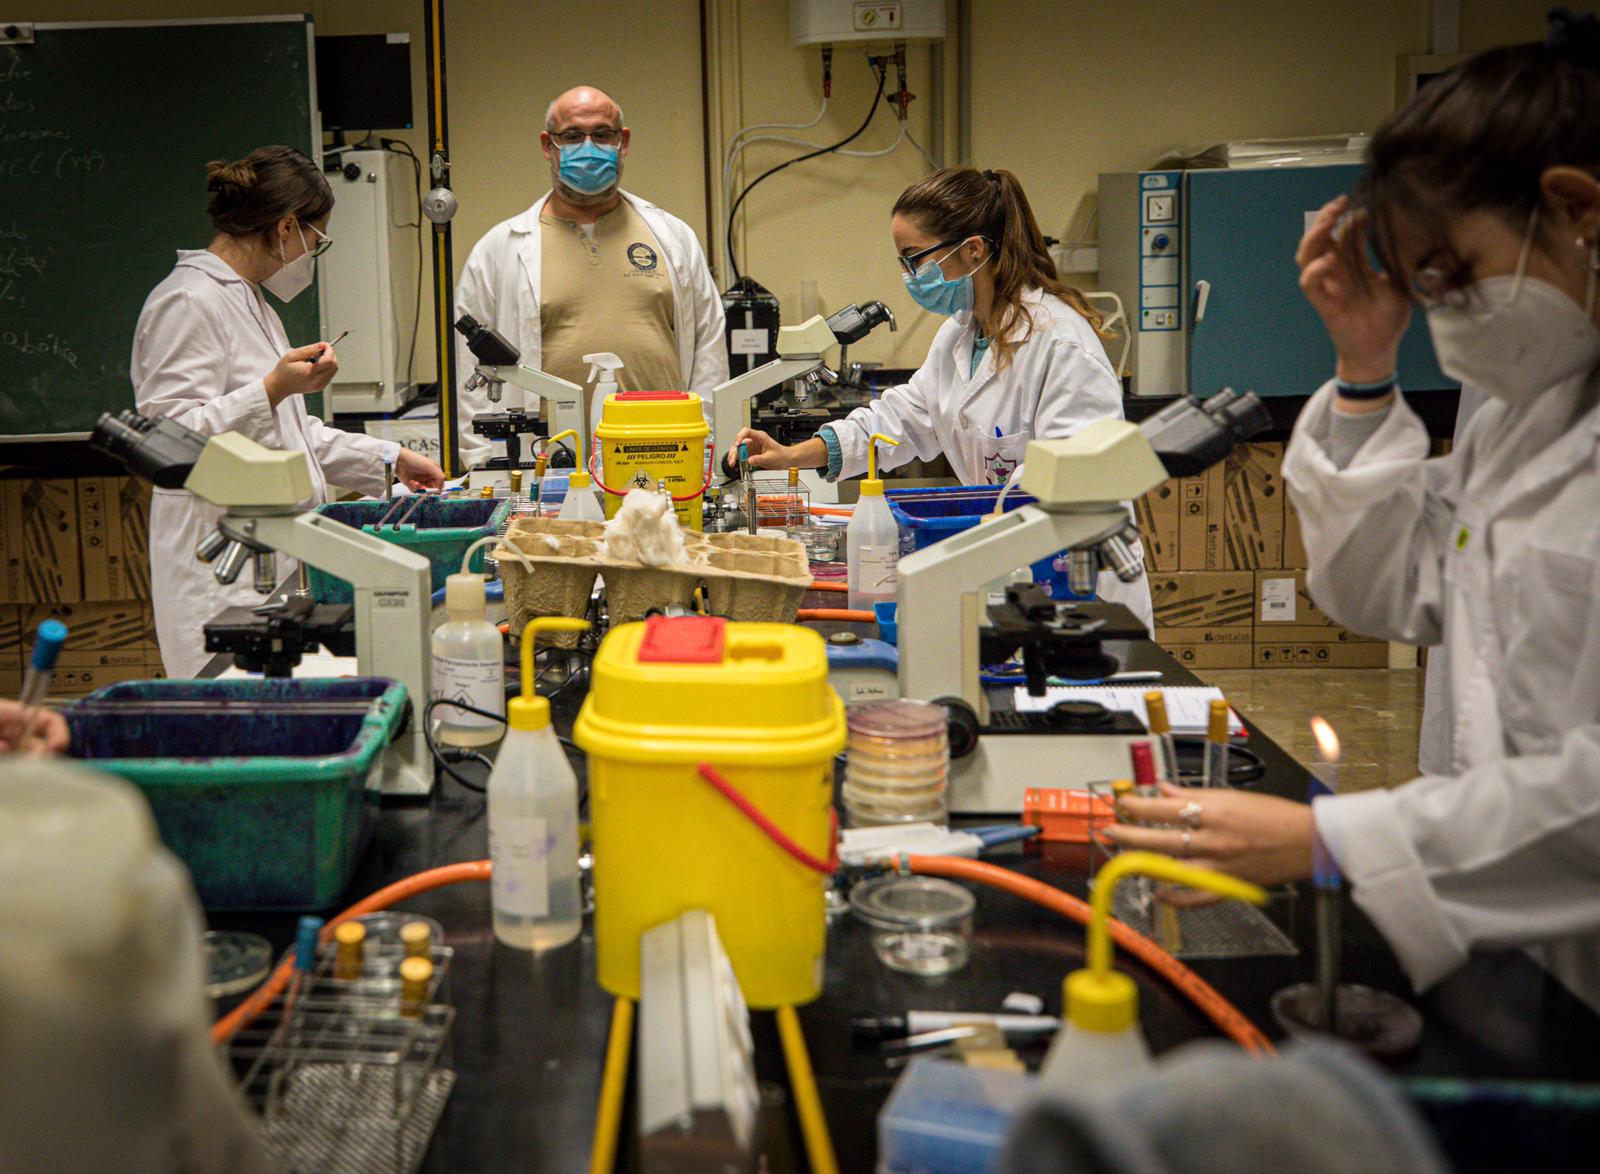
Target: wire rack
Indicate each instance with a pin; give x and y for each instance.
(347, 1077)
(781, 506)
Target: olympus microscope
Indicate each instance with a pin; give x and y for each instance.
(951, 625)
(260, 491)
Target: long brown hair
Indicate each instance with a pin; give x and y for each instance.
(252, 194)
(962, 202)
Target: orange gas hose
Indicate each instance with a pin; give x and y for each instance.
(434, 878)
(819, 585)
(835, 613)
(1229, 1019)
(830, 511)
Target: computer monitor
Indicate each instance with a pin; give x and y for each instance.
(364, 83)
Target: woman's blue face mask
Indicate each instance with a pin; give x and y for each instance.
(588, 168)
(935, 292)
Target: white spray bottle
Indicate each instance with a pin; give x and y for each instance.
(603, 368)
(533, 819)
(872, 539)
(1099, 1037)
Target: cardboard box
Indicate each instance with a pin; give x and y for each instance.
(1310, 633)
(1157, 515)
(1368, 654)
(1203, 599)
(98, 533)
(1282, 602)
(10, 682)
(80, 681)
(10, 638)
(1199, 506)
(114, 535)
(133, 516)
(1252, 509)
(39, 537)
(1294, 546)
(1211, 656)
(99, 635)
(1224, 635)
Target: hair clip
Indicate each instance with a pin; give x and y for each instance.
(990, 176)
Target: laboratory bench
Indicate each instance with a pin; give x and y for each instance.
(530, 1031)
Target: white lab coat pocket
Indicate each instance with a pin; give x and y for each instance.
(995, 457)
(1552, 648)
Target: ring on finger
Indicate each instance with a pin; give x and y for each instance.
(1183, 852)
(1190, 813)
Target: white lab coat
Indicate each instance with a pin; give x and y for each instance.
(1493, 551)
(1059, 379)
(205, 341)
(500, 285)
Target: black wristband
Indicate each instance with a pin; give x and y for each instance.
(1375, 390)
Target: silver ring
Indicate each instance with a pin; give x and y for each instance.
(1183, 853)
(1190, 813)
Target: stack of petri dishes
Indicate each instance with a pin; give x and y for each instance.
(899, 764)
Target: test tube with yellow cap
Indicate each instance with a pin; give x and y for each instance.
(416, 976)
(1215, 771)
(416, 939)
(1155, 707)
(350, 939)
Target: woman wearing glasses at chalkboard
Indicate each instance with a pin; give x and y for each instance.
(210, 352)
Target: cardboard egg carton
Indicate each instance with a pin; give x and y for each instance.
(549, 568)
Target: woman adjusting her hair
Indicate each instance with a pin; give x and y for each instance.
(1020, 358)
(1483, 201)
(211, 353)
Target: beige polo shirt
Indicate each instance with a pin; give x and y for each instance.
(605, 287)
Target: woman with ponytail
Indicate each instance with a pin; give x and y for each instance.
(211, 353)
(1020, 358)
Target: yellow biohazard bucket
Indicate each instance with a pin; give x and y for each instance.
(752, 702)
(645, 437)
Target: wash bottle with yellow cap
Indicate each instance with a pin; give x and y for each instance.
(872, 539)
(580, 504)
(1099, 1037)
(533, 819)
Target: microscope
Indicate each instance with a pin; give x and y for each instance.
(800, 351)
(500, 363)
(260, 491)
(950, 627)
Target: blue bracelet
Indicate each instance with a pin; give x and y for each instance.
(1364, 390)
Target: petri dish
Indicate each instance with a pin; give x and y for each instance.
(920, 925)
(235, 962)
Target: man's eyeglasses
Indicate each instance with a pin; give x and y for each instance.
(911, 262)
(604, 137)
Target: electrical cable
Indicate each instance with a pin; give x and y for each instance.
(613, 1083)
(1229, 1019)
(882, 71)
(250, 1010)
(395, 145)
(912, 139)
(440, 756)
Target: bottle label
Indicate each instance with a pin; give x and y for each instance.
(878, 569)
(519, 846)
(479, 683)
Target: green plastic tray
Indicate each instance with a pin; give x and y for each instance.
(267, 790)
(441, 529)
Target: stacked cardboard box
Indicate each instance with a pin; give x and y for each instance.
(1227, 572)
(76, 549)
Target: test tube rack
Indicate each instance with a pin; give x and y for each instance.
(345, 1078)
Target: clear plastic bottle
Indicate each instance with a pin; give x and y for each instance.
(533, 820)
(581, 503)
(872, 539)
(468, 665)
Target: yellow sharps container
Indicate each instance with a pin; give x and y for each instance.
(753, 701)
(645, 437)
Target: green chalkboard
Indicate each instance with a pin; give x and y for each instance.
(105, 131)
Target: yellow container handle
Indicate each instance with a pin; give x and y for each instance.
(1162, 868)
(530, 637)
(872, 453)
(576, 440)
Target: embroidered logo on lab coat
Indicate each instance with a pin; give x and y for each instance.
(642, 257)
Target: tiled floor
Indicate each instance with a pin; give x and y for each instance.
(1375, 712)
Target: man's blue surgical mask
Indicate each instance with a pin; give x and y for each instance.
(935, 292)
(589, 169)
